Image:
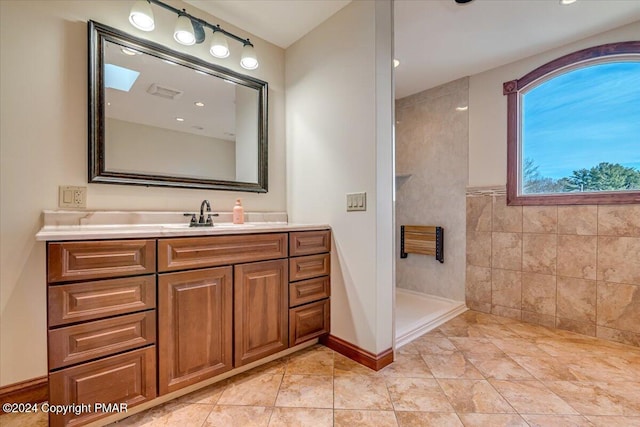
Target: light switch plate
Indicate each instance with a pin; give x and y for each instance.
(356, 202)
(70, 196)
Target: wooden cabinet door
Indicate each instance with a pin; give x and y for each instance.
(261, 310)
(195, 321)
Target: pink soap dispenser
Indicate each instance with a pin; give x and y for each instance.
(238, 213)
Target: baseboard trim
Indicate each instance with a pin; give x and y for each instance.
(357, 354)
(29, 391)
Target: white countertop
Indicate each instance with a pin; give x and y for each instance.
(85, 225)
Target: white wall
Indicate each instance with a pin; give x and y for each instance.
(339, 140)
(488, 106)
(43, 144)
(246, 155)
(138, 148)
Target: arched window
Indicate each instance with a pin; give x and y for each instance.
(573, 129)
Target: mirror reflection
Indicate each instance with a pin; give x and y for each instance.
(174, 120)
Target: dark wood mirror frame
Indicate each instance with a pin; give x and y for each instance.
(98, 35)
(513, 90)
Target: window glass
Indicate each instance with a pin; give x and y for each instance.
(580, 131)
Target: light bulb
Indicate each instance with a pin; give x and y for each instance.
(141, 16)
(219, 46)
(248, 60)
(183, 32)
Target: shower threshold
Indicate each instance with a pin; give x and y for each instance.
(418, 313)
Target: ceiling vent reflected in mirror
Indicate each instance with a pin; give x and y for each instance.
(164, 92)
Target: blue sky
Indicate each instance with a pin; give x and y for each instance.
(582, 118)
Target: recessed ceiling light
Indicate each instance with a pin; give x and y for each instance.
(199, 104)
(465, 108)
(566, 2)
(129, 51)
(395, 63)
(180, 119)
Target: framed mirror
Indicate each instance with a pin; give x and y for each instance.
(163, 118)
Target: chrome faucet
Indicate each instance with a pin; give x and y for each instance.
(202, 222)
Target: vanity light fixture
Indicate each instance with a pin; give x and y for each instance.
(141, 16)
(189, 30)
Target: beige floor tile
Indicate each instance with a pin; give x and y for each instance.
(591, 398)
(306, 391)
(314, 361)
(474, 396)
(451, 366)
(343, 366)
(547, 368)
(360, 392)
(608, 421)
(417, 394)
(31, 419)
(170, 414)
(428, 419)
(502, 368)
(301, 417)
(407, 365)
(549, 377)
(532, 397)
(493, 420)
(520, 347)
(208, 395)
(557, 420)
(254, 391)
(237, 416)
(478, 346)
(434, 345)
(364, 418)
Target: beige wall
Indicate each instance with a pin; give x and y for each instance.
(570, 267)
(339, 140)
(431, 145)
(43, 144)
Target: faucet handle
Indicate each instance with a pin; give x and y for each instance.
(193, 218)
(209, 219)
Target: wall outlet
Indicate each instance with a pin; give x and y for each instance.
(72, 197)
(356, 202)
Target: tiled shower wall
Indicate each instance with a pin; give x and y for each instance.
(569, 267)
(432, 143)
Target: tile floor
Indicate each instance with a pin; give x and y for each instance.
(475, 370)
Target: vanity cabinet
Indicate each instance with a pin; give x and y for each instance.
(101, 333)
(132, 319)
(195, 326)
(260, 302)
(310, 285)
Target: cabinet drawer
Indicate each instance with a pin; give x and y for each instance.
(198, 252)
(86, 341)
(309, 242)
(309, 290)
(126, 378)
(70, 261)
(306, 267)
(94, 300)
(308, 321)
